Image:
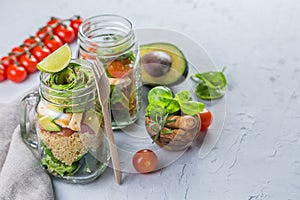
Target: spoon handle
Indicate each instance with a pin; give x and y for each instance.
(112, 145)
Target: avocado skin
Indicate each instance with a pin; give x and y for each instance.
(179, 68)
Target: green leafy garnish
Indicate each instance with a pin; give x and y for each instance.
(55, 166)
(183, 96)
(159, 117)
(191, 107)
(210, 85)
(173, 106)
(154, 110)
(162, 104)
(162, 95)
(59, 168)
(130, 56)
(166, 132)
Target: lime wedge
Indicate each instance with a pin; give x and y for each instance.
(57, 60)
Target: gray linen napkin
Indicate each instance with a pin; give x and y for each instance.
(21, 176)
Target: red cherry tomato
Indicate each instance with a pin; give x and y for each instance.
(65, 33)
(42, 32)
(40, 52)
(29, 62)
(16, 73)
(30, 41)
(53, 22)
(144, 161)
(6, 61)
(2, 73)
(206, 119)
(52, 42)
(119, 68)
(17, 51)
(75, 23)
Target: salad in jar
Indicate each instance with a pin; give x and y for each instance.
(70, 125)
(111, 39)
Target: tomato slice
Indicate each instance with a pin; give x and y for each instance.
(66, 132)
(144, 161)
(119, 68)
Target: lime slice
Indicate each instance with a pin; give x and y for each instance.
(57, 60)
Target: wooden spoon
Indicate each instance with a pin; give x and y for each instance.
(103, 89)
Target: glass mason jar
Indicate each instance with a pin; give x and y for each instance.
(69, 124)
(111, 39)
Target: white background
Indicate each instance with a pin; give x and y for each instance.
(257, 156)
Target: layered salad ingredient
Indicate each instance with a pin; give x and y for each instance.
(69, 118)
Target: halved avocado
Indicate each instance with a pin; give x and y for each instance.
(169, 55)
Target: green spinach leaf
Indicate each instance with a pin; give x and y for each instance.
(161, 95)
(172, 107)
(211, 85)
(192, 107)
(183, 96)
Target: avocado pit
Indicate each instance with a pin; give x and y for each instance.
(156, 63)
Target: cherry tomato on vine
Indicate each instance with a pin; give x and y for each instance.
(40, 52)
(65, 33)
(16, 73)
(29, 62)
(119, 68)
(30, 41)
(6, 61)
(52, 42)
(2, 73)
(53, 21)
(206, 119)
(144, 161)
(75, 23)
(42, 32)
(17, 51)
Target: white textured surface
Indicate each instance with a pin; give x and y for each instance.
(257, 156)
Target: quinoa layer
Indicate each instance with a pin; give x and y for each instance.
(65, 149)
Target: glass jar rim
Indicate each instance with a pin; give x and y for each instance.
(84, 63)
(87, 21)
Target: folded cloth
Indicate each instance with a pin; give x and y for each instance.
(21, 176)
